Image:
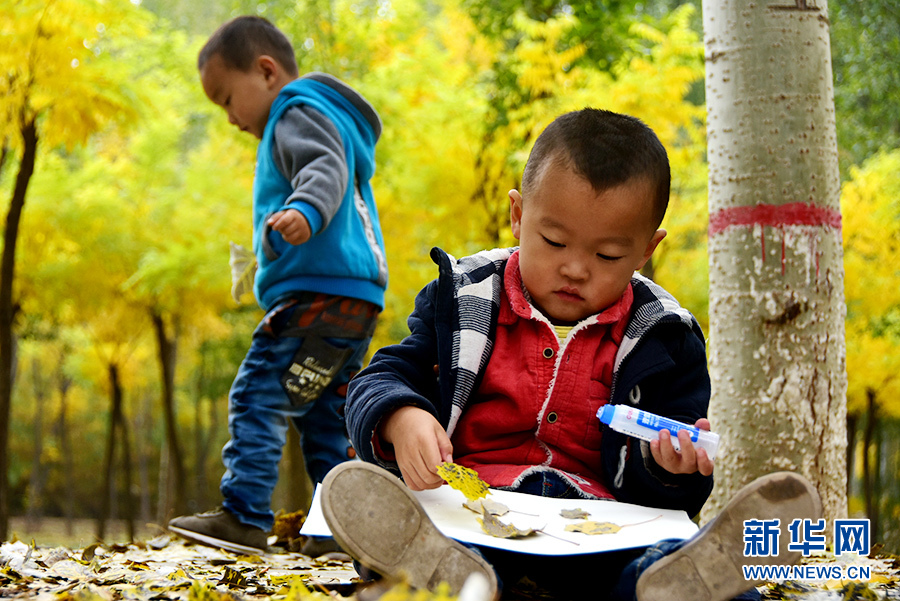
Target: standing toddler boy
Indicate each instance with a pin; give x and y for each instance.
(321, 272)
(511, 353)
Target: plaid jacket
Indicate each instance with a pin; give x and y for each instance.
(660, 367)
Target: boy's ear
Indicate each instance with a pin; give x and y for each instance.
(269, 67)
(515, 213)
(657, 237)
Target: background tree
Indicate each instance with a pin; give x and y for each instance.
(865, 43)
(777, 355)
(54, 78)
(871, 205)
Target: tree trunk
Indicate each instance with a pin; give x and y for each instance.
(118, 430)
(127, 493)
(7, 309)
(115, 398)
(201, 438)
(851, 450)
(167, 353)
(65, 442)
(777, 351)
(300, 487)
(868, 479)
(38, 476)
(143, 427)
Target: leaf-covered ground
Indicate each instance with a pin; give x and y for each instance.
(167, 568)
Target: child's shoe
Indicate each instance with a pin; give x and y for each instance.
(376, 519)
(220, 528)
(709, 567)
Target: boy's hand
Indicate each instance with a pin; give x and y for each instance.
(292, 226)
(689, 460)
(420, 445)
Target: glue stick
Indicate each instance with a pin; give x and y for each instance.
(647, 426)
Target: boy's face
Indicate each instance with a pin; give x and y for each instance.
(578, 247)
(246, 96)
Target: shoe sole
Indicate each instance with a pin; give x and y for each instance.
(216, 542)
(709, 568)
(377, 520)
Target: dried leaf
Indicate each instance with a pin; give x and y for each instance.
(243, 270)
(491, 525)
(492, 507)
(87, 554)
(137, 565)
(287, 526)
(594, 527)
(575, 514)
(234, 578)
(602, 527)
(464, 480)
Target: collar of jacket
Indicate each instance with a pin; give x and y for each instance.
(468, 304)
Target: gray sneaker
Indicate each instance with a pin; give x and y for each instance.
(709, 567)
(376, 519)
(220, 528)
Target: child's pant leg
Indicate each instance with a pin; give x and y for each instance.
(323, 431)
(257, 424)
(260, 406)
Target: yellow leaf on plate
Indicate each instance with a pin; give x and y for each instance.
(464, 480)
(575, 514)
(493, 507)
(491, 525)
(594, 527)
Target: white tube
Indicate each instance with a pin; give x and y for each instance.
(647, 426)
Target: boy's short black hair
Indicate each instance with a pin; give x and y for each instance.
(244, 39)
(606, 148)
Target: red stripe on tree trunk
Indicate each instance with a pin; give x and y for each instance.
(796, 213)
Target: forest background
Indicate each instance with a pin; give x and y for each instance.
(127, 337)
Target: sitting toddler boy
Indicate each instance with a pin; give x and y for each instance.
(511, 353)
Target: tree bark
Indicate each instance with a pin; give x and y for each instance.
(871, 453)
(7, 308)
(851, 450)
(38, 475)
(117, 424)
(777, 351)
(167, 354)
(115, 402)
(300, 487)
(65, 441)
(127, 477)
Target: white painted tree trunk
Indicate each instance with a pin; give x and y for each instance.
(777, 350)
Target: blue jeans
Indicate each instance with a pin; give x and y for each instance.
(260, 406)
(610, 576)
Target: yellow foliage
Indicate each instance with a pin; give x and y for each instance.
(56, 62)
(871, 231)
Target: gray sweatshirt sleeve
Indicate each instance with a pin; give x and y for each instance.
(308, 151)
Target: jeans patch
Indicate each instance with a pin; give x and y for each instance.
(313, 367)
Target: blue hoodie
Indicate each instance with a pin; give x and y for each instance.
(345, 255)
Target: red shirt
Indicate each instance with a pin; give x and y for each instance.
(537, 403)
